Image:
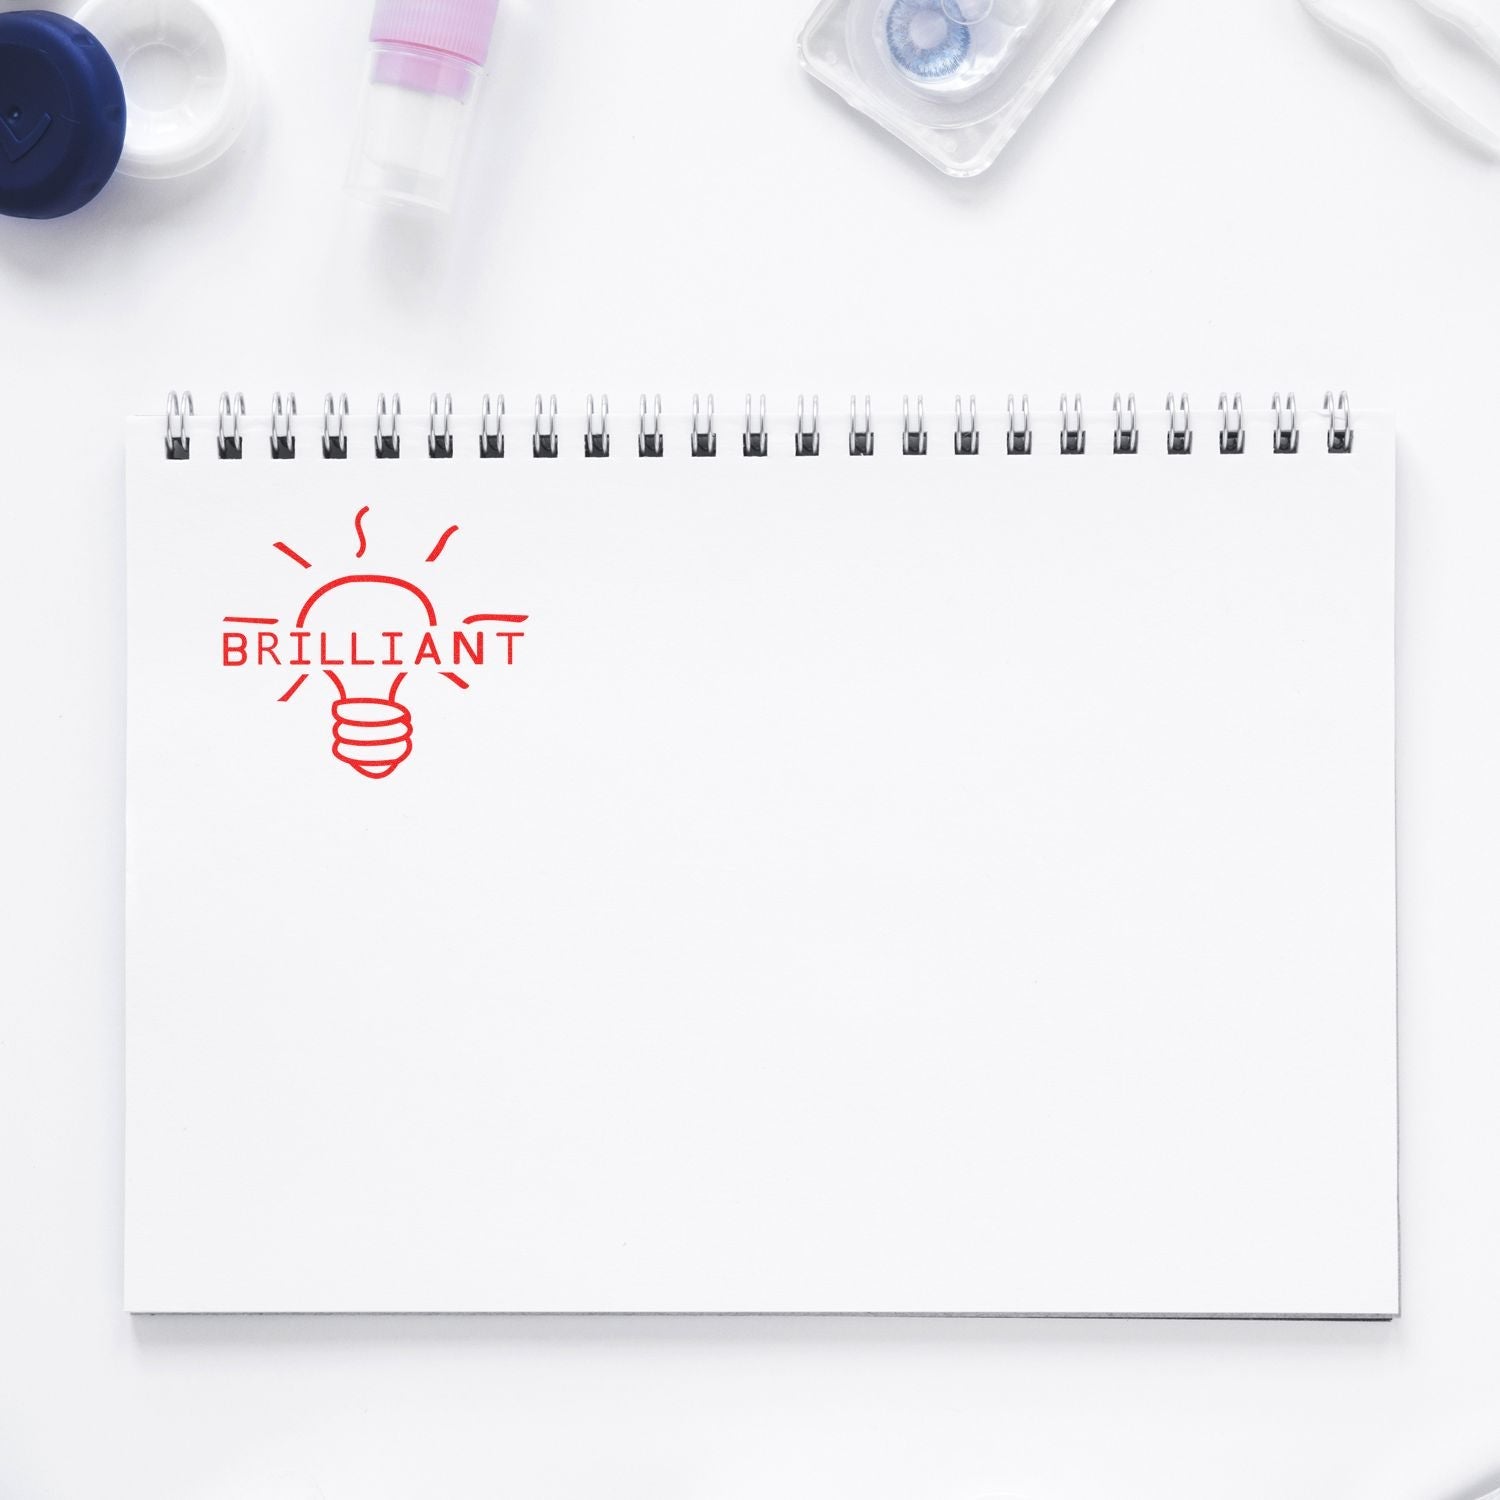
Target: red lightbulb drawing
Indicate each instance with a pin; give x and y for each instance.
(367, 667)
(372, 732)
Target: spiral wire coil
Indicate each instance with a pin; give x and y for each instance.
(758, 432)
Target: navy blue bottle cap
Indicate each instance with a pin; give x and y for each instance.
(62, 115)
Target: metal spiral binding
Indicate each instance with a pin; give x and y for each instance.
(1231, 424)
(283, 439)
(966, 436)
(440, 427)
(861, 439)
(651, 443)
(492, 428)
(1287, 436)
(1179, 425)
(1074, 437)
(544, 443)
(336, 427)
(1340, 423)
(1234, 428)
(809, 441)
(231, 439)
(1018, 434)
(596, 430)
(179, 443)
(757, 441)
(914, 439)
(388, 427)
(705, 440)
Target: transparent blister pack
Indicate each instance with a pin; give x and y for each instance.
(954, 79)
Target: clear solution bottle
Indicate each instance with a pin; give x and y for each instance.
(427, 60)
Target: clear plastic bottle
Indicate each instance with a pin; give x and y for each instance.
(426, 63)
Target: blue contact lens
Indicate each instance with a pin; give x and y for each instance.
(924, 40)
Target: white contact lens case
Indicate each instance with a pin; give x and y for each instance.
(189, 85)
(954, 79)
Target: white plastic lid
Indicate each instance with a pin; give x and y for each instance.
(189, 85)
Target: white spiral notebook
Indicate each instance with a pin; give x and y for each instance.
(910, 866)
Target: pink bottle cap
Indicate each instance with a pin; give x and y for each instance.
(458, 28)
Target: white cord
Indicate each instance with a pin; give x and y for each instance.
(1479, 25)
(1351, 20)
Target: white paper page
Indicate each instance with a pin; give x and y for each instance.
(893, 884)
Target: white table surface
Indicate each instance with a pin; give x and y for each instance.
(1216, 196)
